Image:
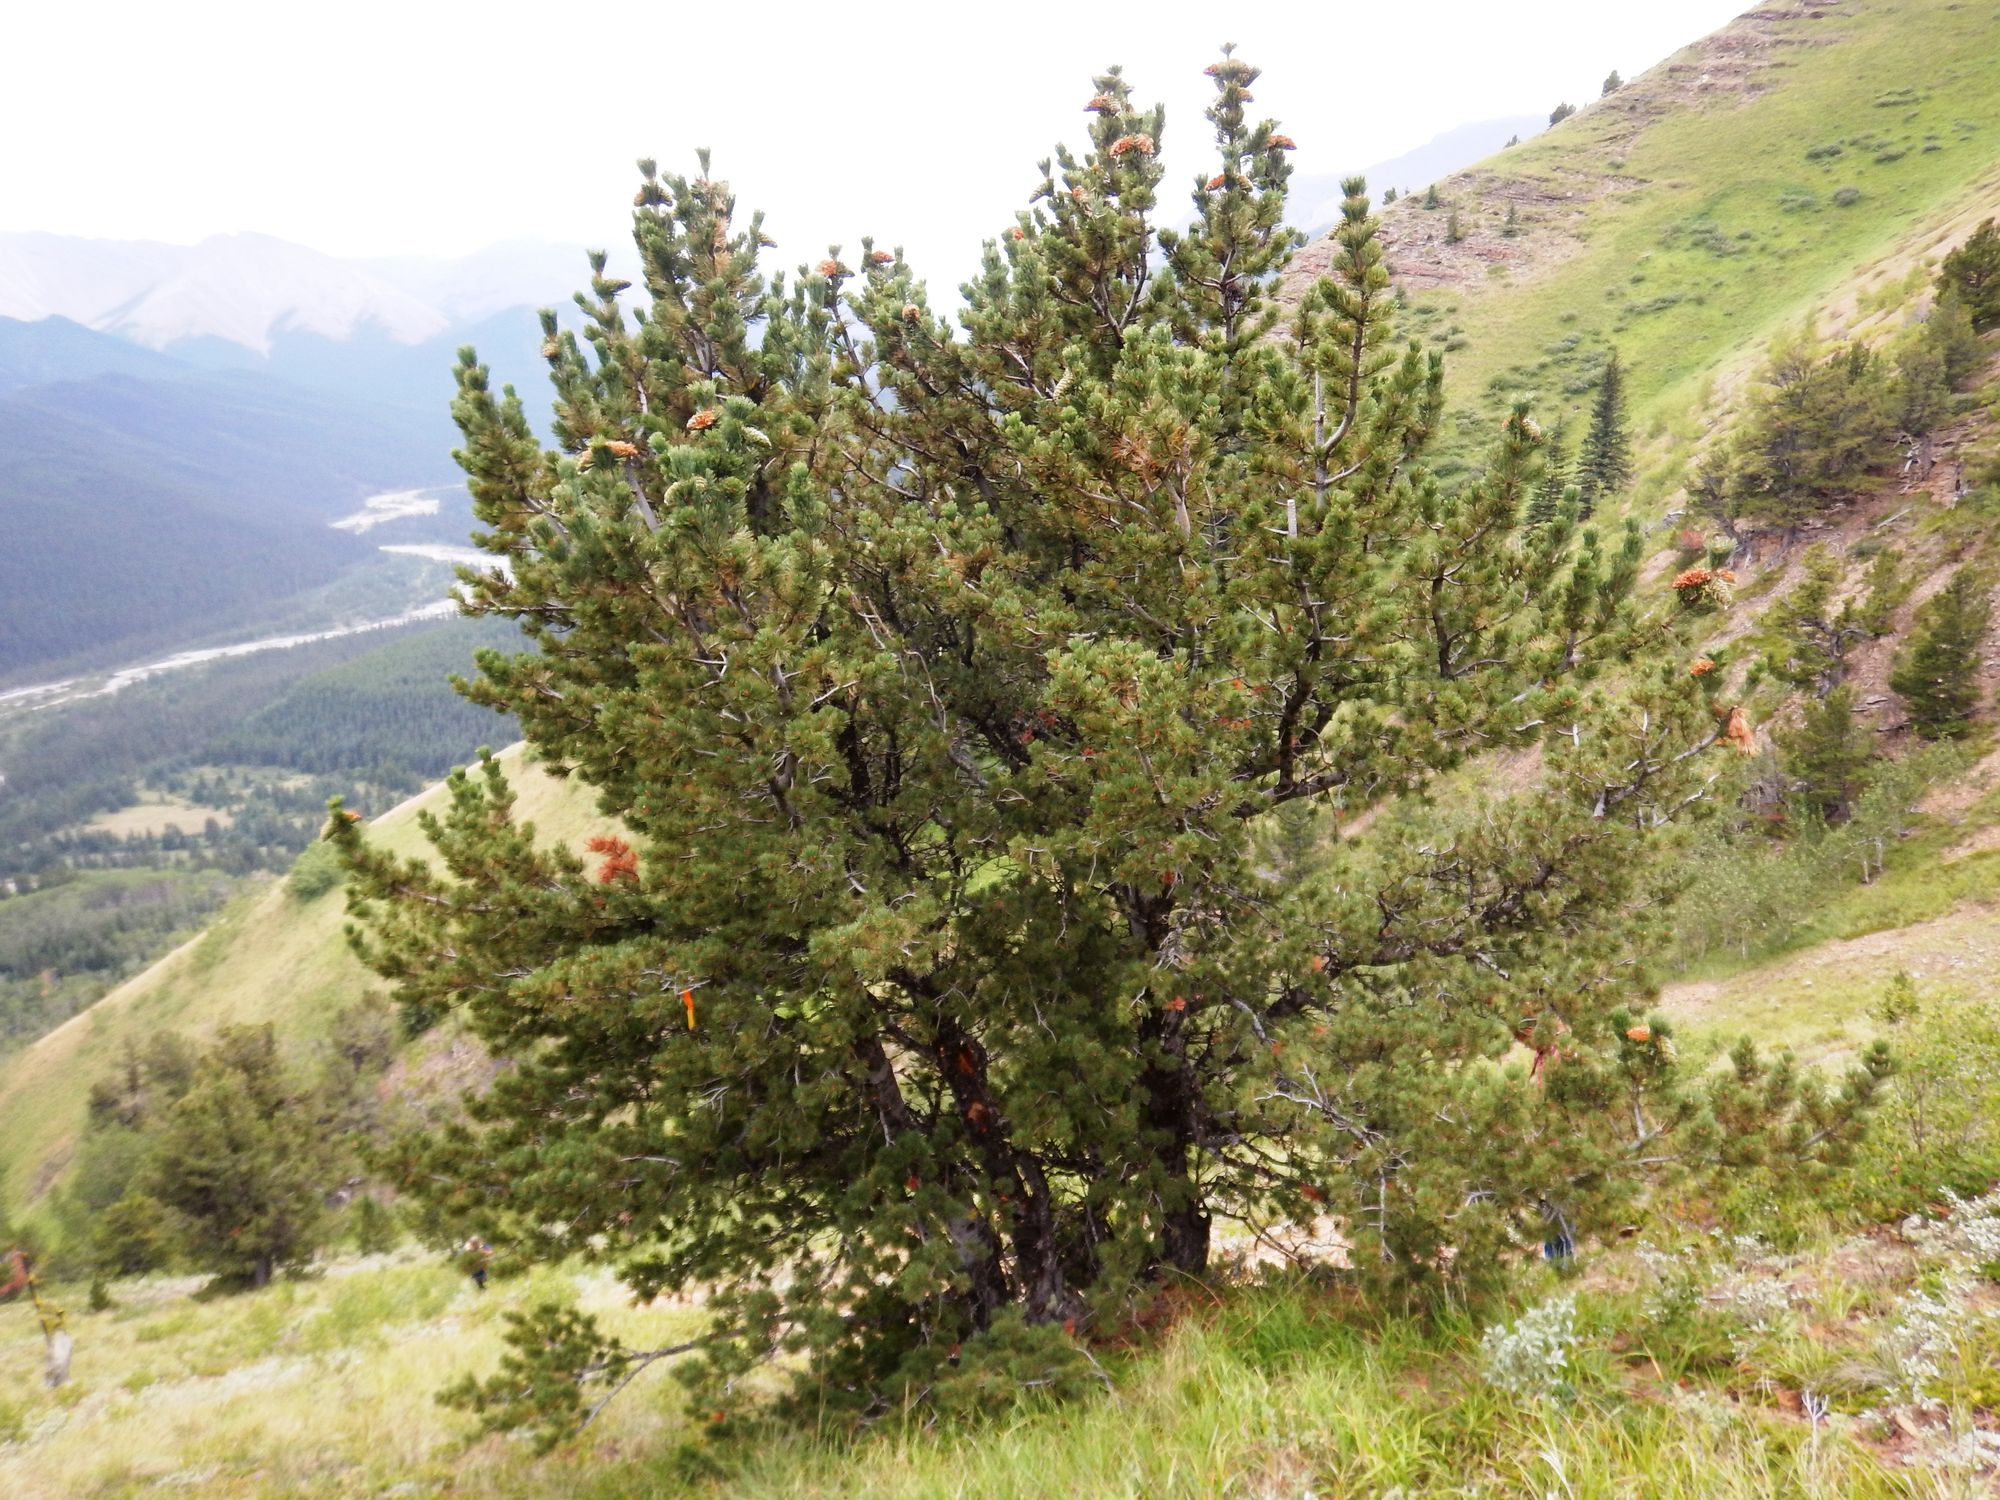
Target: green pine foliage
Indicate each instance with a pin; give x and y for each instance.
(1604, 466)
(1886, 589)
(241, 1162)
(1973, 271)
(225, 1159)
(134, 1235)
(372, 1224)
(1811, 631)
(1937, 673)
(1827, 756)
(1817, 421)
(1560, 113)
(1612, 84)
(1714, 495)
(1554, 490)
(943, 681)
(1933, 361)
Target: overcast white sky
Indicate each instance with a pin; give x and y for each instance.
(424, 127)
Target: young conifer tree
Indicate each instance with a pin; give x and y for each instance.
(1604, 465)
(935, 1001)
(1827, 754)
(1938, 672)
(1973, 271)
(1811, 634)
(1554, 489)
(241, 1161)
(1816, 422)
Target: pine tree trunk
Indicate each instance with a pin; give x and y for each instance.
(1041, 1284)
(1171, 1097)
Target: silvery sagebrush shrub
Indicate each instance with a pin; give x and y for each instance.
(1530, 1357)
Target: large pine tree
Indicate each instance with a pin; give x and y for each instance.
(940, 678)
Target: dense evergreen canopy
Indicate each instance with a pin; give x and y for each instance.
(945, 680)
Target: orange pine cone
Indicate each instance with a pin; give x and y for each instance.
(702, 420)
(1737, 731)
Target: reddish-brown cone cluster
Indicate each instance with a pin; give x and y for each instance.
(620, 862)
(1737, 730)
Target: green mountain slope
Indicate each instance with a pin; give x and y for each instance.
(269, 957)
(1791, 162)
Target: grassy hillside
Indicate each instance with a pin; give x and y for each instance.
(1690, 1368)
(1789, 163)
(268, 957)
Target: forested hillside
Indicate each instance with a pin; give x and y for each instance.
(140, 506)
(125, 820)
(55, 349)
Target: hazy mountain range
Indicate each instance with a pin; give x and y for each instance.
(268, 298)
(180, 423)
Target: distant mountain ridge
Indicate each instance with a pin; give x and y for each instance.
(53, 349)
(253, 290)
(1315, 197)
